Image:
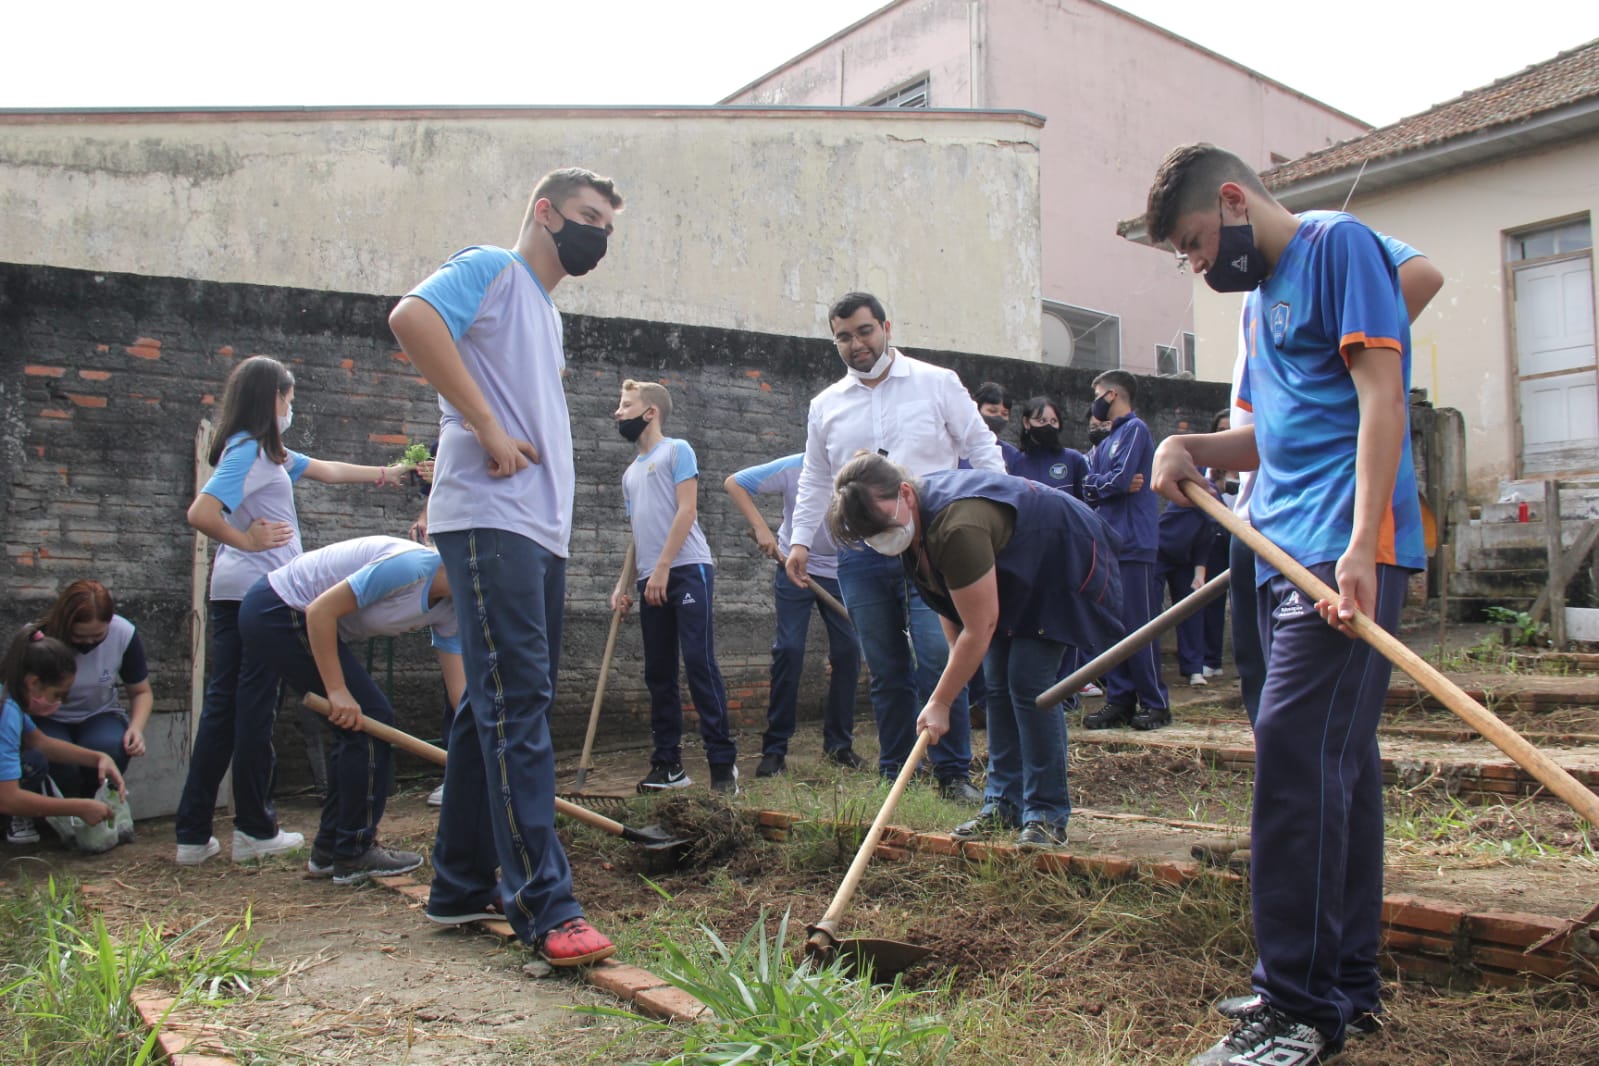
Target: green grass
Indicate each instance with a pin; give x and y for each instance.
(66, 983)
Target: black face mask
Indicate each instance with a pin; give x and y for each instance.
(1101, 406)
(996, 423)
(579, 246)
(1041, 438)
(84, 649)
(1097, 433)
(631, 429)
(1239, 266)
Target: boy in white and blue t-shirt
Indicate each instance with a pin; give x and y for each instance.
(676, 579)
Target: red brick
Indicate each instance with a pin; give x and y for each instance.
(672, 1003)
(347, 364)
(95, 375)
(1175, 873)
(399, 439)
(1506, 927)
(1404, 940)
(623, 981)
(897, 836)
(103, 349)
(1412, 912)
(35, 371)
(766, 386)
(752, 373)
(54, 412)
(1516, 961)
(1109, 867)
(400, 357)
(207, 399)
(936, 844)
(890, 853)
(777, 819)
(144, 348)
(226, 350)
(1053, 862)
(86, 401)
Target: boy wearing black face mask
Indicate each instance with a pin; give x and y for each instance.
(676, 580)
(1118, 467)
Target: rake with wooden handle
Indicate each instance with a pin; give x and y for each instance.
(586, 763)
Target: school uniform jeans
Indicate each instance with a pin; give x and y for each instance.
(358, 765)
(1317, 825)
(1247, 653)
(794, 606)
(227, 737)
(905, 652)
(100, 732)
(683, 624)
(499, 780)
(1026, 745)
(1137, 681)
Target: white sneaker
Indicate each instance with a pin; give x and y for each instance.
(195, 854)
(1090, 689)
(1213, 671)
(247, 848)
(436, 797)
(1197, 680)
(22, 831)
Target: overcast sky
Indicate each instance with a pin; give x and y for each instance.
(1379, 60)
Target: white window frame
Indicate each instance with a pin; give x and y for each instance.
(1088, 319)
(916, 93)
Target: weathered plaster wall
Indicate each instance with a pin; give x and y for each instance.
(736, 218)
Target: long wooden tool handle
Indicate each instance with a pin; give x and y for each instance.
(435, 754)
(1129, 645)
(827, 599)
(1506, 739)
(863, 857)
(586, 763)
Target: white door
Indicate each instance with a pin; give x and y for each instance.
(1559, 390)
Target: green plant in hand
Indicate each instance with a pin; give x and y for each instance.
(415, 455)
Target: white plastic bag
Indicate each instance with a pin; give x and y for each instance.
(94, 838)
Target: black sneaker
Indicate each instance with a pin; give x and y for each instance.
(724, 778)
(772, 764)
(1147, 718)
(847, 758)
(1041, 835)
(663, 776)
(960, 790)
(1269, 1035)
(1110, 716)
(986, 824)
(376, 861)
(320, 864)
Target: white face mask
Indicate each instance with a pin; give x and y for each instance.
(285, 421)
(895, 539)
(876, 370)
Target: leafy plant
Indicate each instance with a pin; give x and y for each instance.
(415, 454)
(764, 1007)
(1523, 629)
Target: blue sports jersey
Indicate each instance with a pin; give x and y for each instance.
(1333, 290)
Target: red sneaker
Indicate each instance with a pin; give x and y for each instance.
(575, 943)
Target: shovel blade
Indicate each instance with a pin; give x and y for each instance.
(884, 959)
(654, 838)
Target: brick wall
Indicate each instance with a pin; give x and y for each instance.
(104, 378)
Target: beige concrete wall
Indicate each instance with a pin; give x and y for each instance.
(735, 218)
(1118, 94)
(1462, 342)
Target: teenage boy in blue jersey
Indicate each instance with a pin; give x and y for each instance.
(485, 333)
(1327, 377)
(1118, 467)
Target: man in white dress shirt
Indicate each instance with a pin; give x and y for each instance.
(920, 416)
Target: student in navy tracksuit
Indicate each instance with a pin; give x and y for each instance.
(1134, 692)
(1186, 537)
(1041, 457)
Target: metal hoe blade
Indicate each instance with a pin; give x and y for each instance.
(883, 959)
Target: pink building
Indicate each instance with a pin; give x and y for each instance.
(1117, 93)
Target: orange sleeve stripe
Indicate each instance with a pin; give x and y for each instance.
(1351, 341)
(1245, 405)
(1385, 538)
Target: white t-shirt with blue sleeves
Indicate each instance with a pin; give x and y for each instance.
(509, 335)
(14, 724)
(390, 577)
(649, 486)
(782, 476)
(251, 486)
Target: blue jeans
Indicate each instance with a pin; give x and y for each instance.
(905, 652)
(1316, 827)
(101, 732)
(683, 623)
(358, 765)
(229, 737)
(499, 782)
(788, 663)
(1247, 651)
(1026, 745)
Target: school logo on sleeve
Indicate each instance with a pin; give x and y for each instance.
(1278, 320)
